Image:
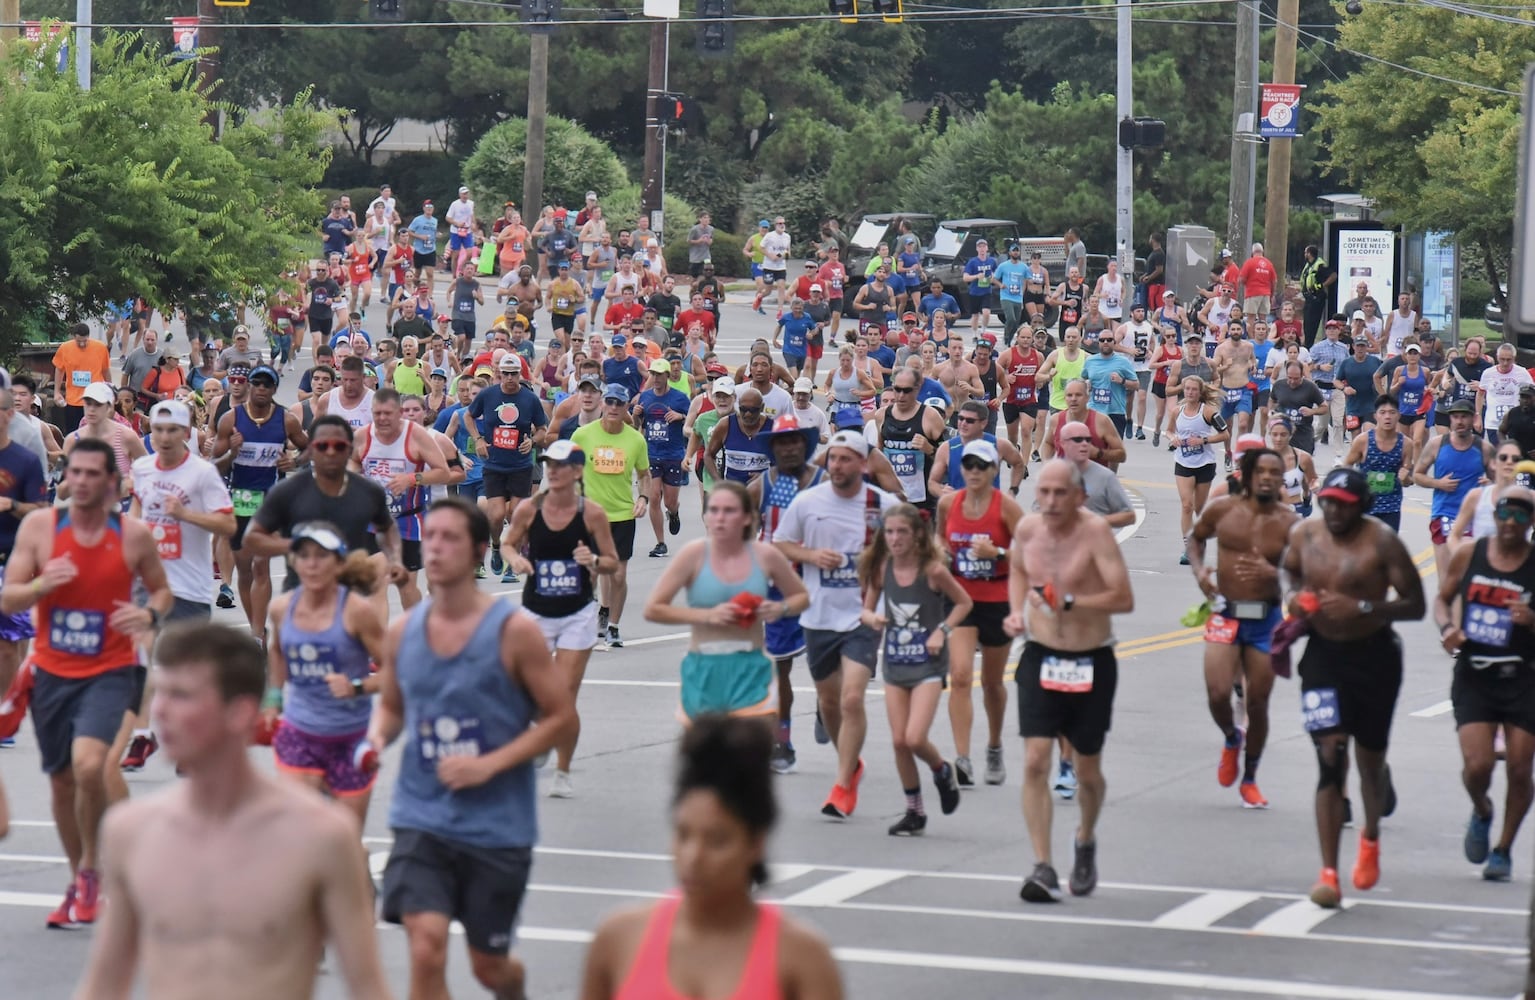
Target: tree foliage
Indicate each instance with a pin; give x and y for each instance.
(122, 191)
(574, 162)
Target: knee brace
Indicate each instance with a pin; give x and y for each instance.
(1332, 765)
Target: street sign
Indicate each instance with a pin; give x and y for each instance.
(1520, 314)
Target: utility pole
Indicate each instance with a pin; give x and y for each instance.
(538, 113)
(10, 17)
(1124, 174)
(1244, 114)
(84, 15)
(208, 62)
(655, 123)
(1276, 204)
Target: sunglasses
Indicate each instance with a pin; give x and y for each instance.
(1508, 512)
(902, 389)
(236, 379)
(749, 409)
(974, 464)
(330, 447)
(1079, 440)
(612, 402)
(967, 420)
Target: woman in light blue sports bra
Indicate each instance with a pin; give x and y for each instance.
(726, 576)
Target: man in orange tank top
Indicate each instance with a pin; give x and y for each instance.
(76, 568)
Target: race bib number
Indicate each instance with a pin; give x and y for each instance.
(562, 303)
(77, 631)
(903, 462)
(1498, 412)
(1487, 624)
(1380, 482)
(1233, 395)
(506, 438)
(447, 736)
(906, 646)
(1191, 451)
(1069, 674)
(1102, 395)
(1411, 401)
(557, 578)
(79, 379)
(1319, 710)
(656, 430)
(845, 575)
(608, 461)
(1221, 630)
(246, 502)
(973, 567)
(258, 453)
(309, 663)
(466, 306)
(167, 536)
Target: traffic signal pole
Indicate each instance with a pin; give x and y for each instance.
(538, 113)
(1276, 205)
(1124, 172)
(656, 124)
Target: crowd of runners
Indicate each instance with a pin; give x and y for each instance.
(861, 515)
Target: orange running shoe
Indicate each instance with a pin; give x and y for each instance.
(1367, 865)
(64, 916)
(852, 791)
(1226, 774)
(1326, 893)
(836, 805)
(1251, 797)
(87, 896)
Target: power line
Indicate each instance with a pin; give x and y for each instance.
(1409, 69)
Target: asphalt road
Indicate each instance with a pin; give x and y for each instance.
(1199, 897)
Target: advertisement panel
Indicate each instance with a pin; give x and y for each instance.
(1366, 255)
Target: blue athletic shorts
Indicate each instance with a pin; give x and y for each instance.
(457, 242)
(1234, 401)
(783, 639)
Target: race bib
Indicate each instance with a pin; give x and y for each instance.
(608, 461)
(309, 663)
(167, 536)
(1102, 395)
(562, 303)
(1221, 630)
(1069, 674)
(973, 567)
(1411, 401)
(79, 379)
(1380, 482)
(556, 578)
(1014, 286)
(1024, 394)
(258, 453)
(906, 645)
(903, 462)
(656, 431)
(77, 631)
(1319, 710)
(505, 437)
(1233, 395)
(1191, 451)
(1487, 624)
(845, 575)
(447, 736)
(466, 305)
(1498, 412)
(246, 502)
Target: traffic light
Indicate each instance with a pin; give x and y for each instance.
(1141, 133)
(387, 10)
(678, 112)
(847, 10)
(540, 15)
(890, 10)
(716, 35)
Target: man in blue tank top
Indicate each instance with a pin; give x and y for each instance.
(464, 676)
(1452, 464)
(1385, 455)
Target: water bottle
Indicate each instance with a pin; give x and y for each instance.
(365, 757)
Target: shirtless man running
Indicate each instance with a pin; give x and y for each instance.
(1234, 364)
(1068, 580)
(229, 883)
(1249, 527)
(1345, 568)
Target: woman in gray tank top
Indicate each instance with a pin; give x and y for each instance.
(910, 594)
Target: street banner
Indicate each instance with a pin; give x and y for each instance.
(1279, 107)
(184, 35)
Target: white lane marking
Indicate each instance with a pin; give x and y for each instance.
(1436, 709)
(1296, 920)
(1138, 504)
(779, 874)
(1203, 911)
(844, 887)
(36, 859)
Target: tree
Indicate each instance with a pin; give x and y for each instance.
(1432, 153)
(574, 162)
(122, 191)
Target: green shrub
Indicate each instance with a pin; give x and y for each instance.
(416, 176)
(725, 252)
(574, 162)
(800, 200)
(1475, 293)
(621, 206)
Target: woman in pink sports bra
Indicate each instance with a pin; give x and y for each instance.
(712, 940)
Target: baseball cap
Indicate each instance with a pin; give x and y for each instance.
(1225, 253)
(564, 452)
(723, 385)
(591, 195)
(462, 189)
(619, 340)
(1333, 323)
(590, 379)
(641, 340)
(982, 243)
(511, 363)
(484, 370)
(1460, 406)
(803, 385)
(1358, 314)
(439, 370)
(170, 412)
(322, 533)
(265, 371)
(1415, 349)
(817, 288)
(982, 449)
(1527, 390)
(564, 265)
(910, 317)
(1347, 484)
(1247, 442)
(1169, 294)
(1362, 340)
(849, 417)
(561, 213)
(614, 390)
(660, 367)
(101, 392)
(852, 440)
(764, 224)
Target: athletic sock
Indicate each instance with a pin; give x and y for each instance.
(914, 801)
(1250, 770)
(1234, 738)
(784, 726)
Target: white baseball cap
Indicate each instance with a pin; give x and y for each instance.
(803, 385)
(170, 412)
(101, 392)
(852, 440)
(982, 449)
(723, 385)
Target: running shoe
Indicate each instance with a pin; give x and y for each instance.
(1390, 805)
(852, 789)
(1042, 885)
(1034, 457)
(139, 751)
(1066, 781)
(948, 788)
(836, 805)
(497, 564)
(226, 597)
(673, 521)
(1084, 870)
(1500, 867)
(559, 786)
(821, 735)
(65, 914)
(1251, 797)
(602, 622)
(1231, 761)
(1326, 893)
(479, 572)
(659, 551)
(1367, 864)
(509, 576)
(1140, 433)
(1228, 461)
(996, 772)
(1477, 834)
(783, 758)
(964, 771)
(7, 742)
(615, 641)
(1183, 558)
(909, 825)
(1156, 438)
(87, 896)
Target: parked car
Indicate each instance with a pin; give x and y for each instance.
(882, 228)
(954, 244)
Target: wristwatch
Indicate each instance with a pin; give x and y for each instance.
(357, 690)
(1366, 608)
(154, 618)
(1067, 600)
(946, 628)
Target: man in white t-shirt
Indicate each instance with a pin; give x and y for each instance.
(775, 260)
(1400, 322)
(805, 411)
(460, 217)
(825, 529)
(386, 198)
(183, 499)
(1498, 392)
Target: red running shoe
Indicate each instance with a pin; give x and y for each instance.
(64, 916)
(139, 751)
(1231, 763)
(87, 896)
(837, 806)
(1367, 865)
(1326, 893)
